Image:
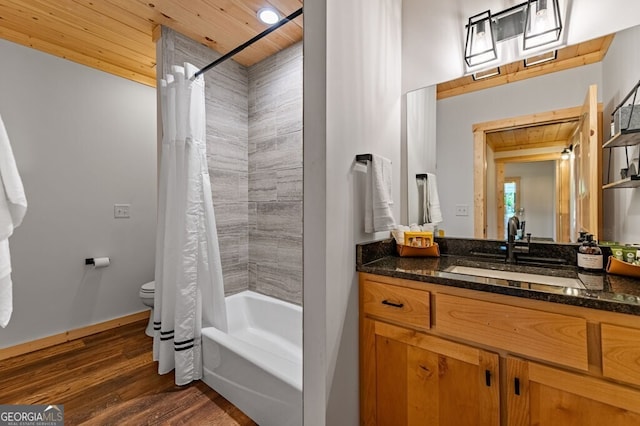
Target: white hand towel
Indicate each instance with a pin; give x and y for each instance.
(13, 203)
(425, 200)
(6, 297)
(13, 206)
(434, 214)
(378, 201)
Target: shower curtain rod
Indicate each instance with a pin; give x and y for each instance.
(243, 46)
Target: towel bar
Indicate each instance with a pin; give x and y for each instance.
(363, 158)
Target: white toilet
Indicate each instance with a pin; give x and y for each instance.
(147, 292)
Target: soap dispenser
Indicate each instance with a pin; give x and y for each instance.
(590, 255)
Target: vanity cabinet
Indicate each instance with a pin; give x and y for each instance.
(413, 378)
(541, 395)
(438, 355)
(621, 353)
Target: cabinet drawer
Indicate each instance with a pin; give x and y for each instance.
(552, 337)
(621, 353)
(398, 304)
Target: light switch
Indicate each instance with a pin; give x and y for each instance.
(462, 210)
(121, 211)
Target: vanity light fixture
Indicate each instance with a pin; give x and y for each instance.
(538, 21)
(268, 15)
(542, 23)
(480, 46)
(481, 75)
(540, 59)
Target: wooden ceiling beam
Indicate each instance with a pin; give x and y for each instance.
(589, 52)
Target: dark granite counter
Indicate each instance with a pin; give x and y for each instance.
(602, 291)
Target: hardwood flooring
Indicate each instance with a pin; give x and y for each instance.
(110, 379)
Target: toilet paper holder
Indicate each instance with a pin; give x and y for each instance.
(97, 262)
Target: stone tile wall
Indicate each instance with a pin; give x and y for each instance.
(275, 175)
(254, 149)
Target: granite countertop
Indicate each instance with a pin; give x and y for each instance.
(603, 291)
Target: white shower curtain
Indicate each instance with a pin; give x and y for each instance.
(189, 291)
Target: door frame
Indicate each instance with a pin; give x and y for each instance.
(480, 131)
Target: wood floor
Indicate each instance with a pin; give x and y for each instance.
(110, 379)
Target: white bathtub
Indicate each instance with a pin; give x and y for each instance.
(257, 365)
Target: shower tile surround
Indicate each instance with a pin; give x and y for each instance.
(254, 152)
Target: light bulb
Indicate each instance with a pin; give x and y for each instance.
(541, 7)
(268, 15)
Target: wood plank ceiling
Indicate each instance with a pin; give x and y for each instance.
(117, 36)
(541, 136)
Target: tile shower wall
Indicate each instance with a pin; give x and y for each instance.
(227, 149)
(254, 146)
(275, 175)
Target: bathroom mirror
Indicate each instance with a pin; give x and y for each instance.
(456, 116)
(421, 137)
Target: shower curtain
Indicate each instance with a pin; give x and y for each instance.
(189, 291)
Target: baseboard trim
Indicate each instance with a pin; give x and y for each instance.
(78, 333)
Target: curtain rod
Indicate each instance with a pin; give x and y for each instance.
(249, 43)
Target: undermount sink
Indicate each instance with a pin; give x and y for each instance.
(517, 276)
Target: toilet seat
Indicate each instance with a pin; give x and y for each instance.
(148, 290)
(147, 296)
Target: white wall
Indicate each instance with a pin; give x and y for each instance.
(351, 106)
(83, 141)
(434, 35)
(620, 72)
(537, 195)
(456, 116)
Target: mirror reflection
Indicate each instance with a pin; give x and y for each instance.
(533, 145)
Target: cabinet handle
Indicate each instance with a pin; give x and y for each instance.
(487, 377)
(395, 305)
(516, 385)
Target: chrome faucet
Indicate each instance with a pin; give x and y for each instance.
(513, 226)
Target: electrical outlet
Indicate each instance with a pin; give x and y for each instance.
(121, 211)
(462, 210)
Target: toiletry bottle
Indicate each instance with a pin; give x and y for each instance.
(589, 255)
(521, 224)
(613, 127)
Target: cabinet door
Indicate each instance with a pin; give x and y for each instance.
(424, 380)
(541, 395)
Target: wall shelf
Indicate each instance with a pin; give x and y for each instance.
(627, 123)
(623, 138)
(629, 182)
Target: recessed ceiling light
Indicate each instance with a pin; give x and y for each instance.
(268, 15)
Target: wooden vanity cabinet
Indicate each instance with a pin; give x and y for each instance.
(433, 355)
(409, 377)
(621, 353)
(541, 395)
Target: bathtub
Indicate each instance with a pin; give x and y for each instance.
(257, 365)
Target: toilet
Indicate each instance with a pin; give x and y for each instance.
(147, 292)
